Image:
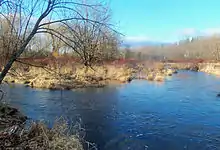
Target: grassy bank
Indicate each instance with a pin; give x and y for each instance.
(210, 67)
(14, 134)
(71, 76)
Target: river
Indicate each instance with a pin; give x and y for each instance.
(183, 113)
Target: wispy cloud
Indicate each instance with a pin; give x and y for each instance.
(174, 36)
(137, 38)
(188, 32)
(196, 32)
(211, 31)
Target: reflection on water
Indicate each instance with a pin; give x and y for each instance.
(181, 113)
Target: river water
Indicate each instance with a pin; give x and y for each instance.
(183, 113)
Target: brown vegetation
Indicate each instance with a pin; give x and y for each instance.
(61, 73)
(76, 28)
(14, 134)
(67, 74)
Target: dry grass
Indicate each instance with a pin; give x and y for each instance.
(39, 137)
(150, 77)
(159, 78)
(70, 76)
(16, 133)
(212, 68)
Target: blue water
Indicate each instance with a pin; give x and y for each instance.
(183, 113)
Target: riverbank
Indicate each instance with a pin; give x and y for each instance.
(207, 67)
(211, 68)
(156, 72)
(78, 76)
(70, 77)
(15, 135)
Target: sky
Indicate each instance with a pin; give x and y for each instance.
(165, 20)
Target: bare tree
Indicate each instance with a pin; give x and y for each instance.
(56, 40)
(92, 42)
(25, 19)
(216, 51)
(39, 46)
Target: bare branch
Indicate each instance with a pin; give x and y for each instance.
(78, 30)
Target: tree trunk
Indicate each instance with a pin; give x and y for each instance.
(16, 55)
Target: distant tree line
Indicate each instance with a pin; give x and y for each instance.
(187, 49)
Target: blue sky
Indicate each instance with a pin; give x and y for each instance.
(165, 20)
